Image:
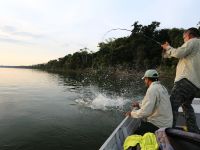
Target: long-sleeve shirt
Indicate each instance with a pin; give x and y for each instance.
(189, 61)
(156, 106)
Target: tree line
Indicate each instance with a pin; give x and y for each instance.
(140, 50)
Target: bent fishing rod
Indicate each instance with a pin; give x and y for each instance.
(131, 31)
(151, 39)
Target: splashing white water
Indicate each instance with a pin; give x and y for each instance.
(103, 102)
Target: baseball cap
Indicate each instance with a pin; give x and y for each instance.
(151, 73)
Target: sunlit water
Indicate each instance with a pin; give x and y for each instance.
(45, 111)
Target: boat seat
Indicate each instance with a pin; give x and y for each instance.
(182, 140)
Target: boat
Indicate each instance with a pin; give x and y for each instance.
(127, 127)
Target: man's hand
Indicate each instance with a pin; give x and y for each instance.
(128, 114)
(165, 46)
(135, 104)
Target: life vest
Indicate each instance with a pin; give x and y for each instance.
(146, 142)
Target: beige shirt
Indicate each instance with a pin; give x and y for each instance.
(189, 61)
(156, 106)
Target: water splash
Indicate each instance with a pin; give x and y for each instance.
(103, 102)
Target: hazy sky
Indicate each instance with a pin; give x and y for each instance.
(36, 31)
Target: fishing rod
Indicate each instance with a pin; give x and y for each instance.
(131, 31)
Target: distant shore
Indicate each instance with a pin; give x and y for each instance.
(25, 67)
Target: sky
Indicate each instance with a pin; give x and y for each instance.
(36, 31)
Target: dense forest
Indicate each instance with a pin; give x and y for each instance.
(140, 50)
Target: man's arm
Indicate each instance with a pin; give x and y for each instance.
(148, 104)
(180, 52)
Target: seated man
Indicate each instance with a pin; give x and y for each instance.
(155, 107)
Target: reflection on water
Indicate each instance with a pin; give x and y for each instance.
(40, 110)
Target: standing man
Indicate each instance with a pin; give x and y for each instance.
(155, 107)
(187, 80)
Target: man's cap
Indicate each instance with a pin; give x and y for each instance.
(151, 73)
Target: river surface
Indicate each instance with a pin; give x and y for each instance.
(48, 111)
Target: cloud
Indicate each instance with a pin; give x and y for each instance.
(7, 28)
(11, 34)
(28, 34)
(14, 31)
(11, 40)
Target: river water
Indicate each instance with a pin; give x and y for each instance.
(48, 111)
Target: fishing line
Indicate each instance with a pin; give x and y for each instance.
(152, 39)
(103, 37)
(131, 31)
